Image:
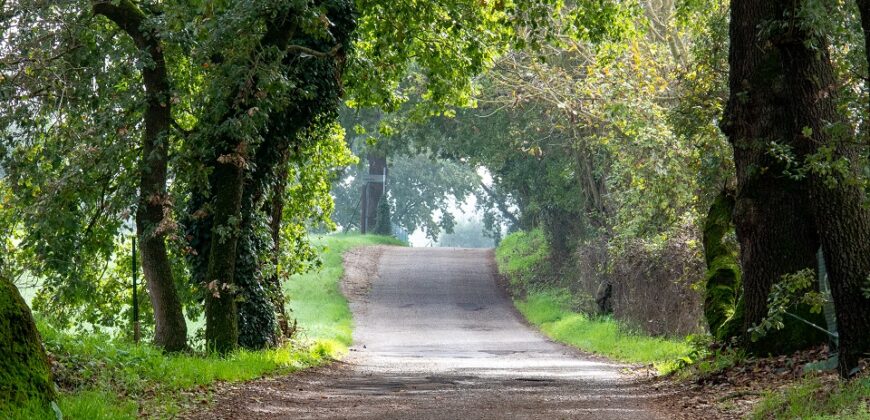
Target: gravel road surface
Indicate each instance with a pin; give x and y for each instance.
(437, 338)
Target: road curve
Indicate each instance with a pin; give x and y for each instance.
(436, 338)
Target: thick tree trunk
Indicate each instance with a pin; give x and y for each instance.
(221, 312)
(838, 205)
(25, 374)
(152, 215)
(775, 229)
(372, 192)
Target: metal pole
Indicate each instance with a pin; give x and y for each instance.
(368, 198)
(136, 330)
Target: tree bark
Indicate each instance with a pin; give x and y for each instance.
(25, 373)
(372, 191)
(153, 212)
(774, 227)
(842, 220)
(221, 322)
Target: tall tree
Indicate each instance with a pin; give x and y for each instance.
(821, 136)
(774, 225)
(153, 214)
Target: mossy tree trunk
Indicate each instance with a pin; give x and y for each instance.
(723, 296)
(221, 311)
(25, 373)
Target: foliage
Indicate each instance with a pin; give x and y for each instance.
(468, 233)
(554, 309)
(523, 257)
(723, 299)
(384, 226)
(792, 291)
(421, 190)
(817, 398)
(102, 377)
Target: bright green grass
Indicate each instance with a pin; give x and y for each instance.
(111, 378)
(315, 297)
(812, 399)
(549, 311)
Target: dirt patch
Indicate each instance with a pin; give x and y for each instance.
(734, 392)
(360, 270)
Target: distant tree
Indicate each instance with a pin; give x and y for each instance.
(384, 226)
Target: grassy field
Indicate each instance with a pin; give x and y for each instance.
(523, 258)
(105, 378)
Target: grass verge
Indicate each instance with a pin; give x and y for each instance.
(523, 258)
(816, 398)
(105, 378)
(315, 297)
(550, 311)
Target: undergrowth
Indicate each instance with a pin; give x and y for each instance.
(550, 311)
(101, 377)
(815, 398)
(523, 258)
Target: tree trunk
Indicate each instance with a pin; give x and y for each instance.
(276, 215)
(25, 373)
(774, 228)
(723, 293)
(221, 312)
(372, 191)
(153, 212)
(838, 205)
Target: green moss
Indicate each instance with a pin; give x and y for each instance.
(723, 307)
(25, 374)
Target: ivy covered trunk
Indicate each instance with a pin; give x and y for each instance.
(258, 324)
(221, 312)
(773, 224)
(276, 216)
(153, 211)
(837, 201)
(25, 373)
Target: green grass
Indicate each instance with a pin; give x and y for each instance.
(549, 311)
(813, 398)
(315, 297)
(105, 378)
(523, 258)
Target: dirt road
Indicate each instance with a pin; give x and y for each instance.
(437, 338)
